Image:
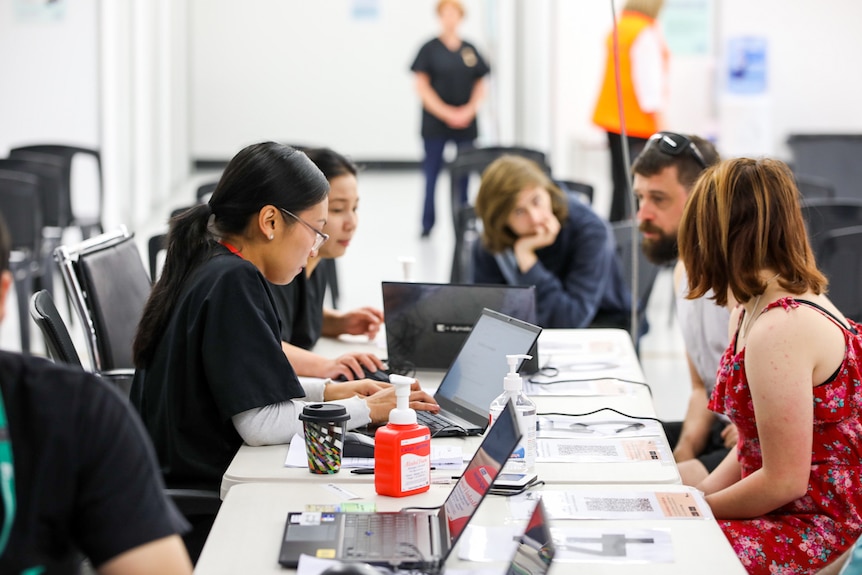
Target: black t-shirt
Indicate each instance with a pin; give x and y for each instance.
(86, 478)
(300, 306)
(220, 355)
(452, 76)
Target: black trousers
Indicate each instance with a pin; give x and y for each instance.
(620, 200)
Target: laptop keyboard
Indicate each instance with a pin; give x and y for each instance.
(370, 536)
(435, 422)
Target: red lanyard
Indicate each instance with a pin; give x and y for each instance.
(231, 248)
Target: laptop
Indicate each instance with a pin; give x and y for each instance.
(427, 323)
(418, 539)
(476, 375)
(536, 547)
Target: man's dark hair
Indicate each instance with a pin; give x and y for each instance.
(653, 160)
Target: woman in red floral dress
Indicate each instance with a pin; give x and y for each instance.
(789, 496)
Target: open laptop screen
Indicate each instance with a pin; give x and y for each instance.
(475, 378)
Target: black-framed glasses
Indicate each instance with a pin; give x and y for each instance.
(674, 144)
(321, 237)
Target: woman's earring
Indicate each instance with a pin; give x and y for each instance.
(272, 236)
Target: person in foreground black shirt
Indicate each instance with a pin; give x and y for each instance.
(77, 473)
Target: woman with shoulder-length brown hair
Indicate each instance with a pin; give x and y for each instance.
(534, 234)
(788, 496)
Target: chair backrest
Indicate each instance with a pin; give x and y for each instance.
(156, 245)
(21, 208)
(823, 215)
(647, 271)
(466, 236)
(67, 155)
(842, 263)
(831, 156)
(53, 197)
(583, 191)
(107, 282)
(811, 187)
(56, 334)
(204, 191)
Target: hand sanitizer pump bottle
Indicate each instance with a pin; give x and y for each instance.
(523, 459)
(402, 449)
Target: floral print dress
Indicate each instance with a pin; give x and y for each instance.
(806, 534)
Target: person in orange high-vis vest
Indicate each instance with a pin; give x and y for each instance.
(643, 59)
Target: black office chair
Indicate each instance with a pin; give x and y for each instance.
(204, 191)
(89, 224)
(466, 235)
(57, 339)
(841, 262)
(475, 160)
(647, 271)
(813, 187)
(20, 206)
(156, 245)
(822, 215)
(584, 192)
(831, 156)
(108, 286)
(49, 172)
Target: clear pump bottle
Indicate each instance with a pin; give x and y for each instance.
(402, 448)
(523, 459)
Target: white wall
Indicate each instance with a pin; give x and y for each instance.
(311, 73)
(49, 76)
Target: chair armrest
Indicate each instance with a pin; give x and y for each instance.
(119, 378)
(194, 501)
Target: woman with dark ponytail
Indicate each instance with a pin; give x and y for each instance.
(211, 372)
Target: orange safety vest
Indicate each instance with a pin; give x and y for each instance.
(638, 123)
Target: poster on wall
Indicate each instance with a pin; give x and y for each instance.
(365, 9)
(687, 26)
(40, 10)
(746, 65)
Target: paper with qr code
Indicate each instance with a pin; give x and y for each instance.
(604, 450)
(586, 504)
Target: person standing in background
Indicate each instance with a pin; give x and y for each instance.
(643, 58)
(450, 81)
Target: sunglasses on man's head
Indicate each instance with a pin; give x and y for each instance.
(674, 144)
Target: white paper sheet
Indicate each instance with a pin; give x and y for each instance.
(573, 544)
(626, 505)
(602, 450)
(596, 427)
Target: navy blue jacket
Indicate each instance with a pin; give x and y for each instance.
(579, 279)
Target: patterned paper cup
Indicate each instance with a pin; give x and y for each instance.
(323, 424)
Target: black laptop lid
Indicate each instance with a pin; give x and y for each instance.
(427, 323)
(476, 375)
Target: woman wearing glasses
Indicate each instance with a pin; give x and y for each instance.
(211, 372)
(300, 303)
(533, 234)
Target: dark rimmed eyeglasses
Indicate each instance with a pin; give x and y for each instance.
(674, 144)
(321, 237)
